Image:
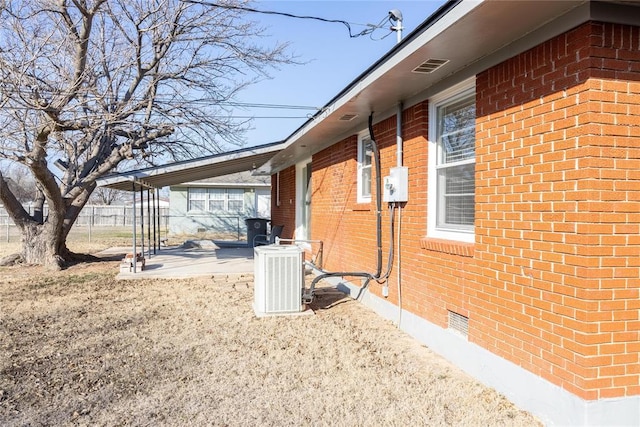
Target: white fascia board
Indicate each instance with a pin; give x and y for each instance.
(209, 161)
(133, 178)
(222, 185)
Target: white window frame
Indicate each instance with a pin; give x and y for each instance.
(208, 193)
(229, 199)
(203, 198)
(363, 137)
(453, 94)
(216, 195)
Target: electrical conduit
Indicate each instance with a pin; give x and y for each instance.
(378, 276)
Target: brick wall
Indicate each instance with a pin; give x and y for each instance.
(558, 210)
(552, 281)
(348, 228)
(285, 212)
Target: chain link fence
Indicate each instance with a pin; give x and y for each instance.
(96, 221)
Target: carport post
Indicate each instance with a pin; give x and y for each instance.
(158, 219)
(149, 228)
(155, 240)
(141, 221)
(135, 244)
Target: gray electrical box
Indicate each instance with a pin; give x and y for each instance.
(396, 185)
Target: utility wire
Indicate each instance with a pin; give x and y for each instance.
(371, 27)
(275, 106)
(164, 99)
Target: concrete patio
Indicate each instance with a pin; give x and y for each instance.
(192, 259)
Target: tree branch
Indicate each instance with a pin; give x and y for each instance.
(11, 204)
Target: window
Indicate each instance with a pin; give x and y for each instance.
(452, 163)
(235, 199)
(197, 199)
(216, 199)
(365, 155)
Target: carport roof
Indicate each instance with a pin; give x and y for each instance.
(192, 170)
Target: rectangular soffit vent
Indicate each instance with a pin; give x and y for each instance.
(459, 323)
(430, 65)
(347, 117)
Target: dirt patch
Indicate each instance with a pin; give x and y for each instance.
(78, 347)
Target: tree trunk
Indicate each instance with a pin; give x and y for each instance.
(38, 207)
(43, 245)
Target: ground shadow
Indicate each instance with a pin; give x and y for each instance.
(326, 298)
(153, 266)
(225, 244)
(80, 258)
(234, 253)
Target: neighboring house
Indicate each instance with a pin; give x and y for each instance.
(219, 205)
(517, 252)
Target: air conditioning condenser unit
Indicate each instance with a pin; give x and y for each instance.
(278, 279)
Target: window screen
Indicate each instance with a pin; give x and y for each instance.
(365, 155)
(197, 198)
(456, 163)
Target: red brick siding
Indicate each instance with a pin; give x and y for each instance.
(285, 213)
(558, 212)
(348, 228)
(552, 281)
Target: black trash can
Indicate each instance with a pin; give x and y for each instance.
(255, 227)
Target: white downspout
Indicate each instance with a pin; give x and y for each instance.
(399, 147)
(399, 156)
(278, 189)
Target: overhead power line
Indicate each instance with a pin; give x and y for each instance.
(164, 99)
(370, 27)
(275, 106)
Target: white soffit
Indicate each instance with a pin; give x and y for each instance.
(466, 34)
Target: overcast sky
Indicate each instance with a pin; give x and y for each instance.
(332, 58)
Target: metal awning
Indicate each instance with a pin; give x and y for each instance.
(245, 159)
(149, 179)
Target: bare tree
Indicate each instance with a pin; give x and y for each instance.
(107, 196)
(20, 182)
(92, 85)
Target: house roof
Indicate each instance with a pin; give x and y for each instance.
(245, 159)
(470, 36)
(238, 179)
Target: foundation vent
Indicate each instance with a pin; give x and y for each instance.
(347, 117)
(459, 323)
(430, 65)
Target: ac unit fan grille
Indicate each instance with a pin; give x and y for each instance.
(279, 279)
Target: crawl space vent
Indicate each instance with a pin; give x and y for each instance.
(347, 117)
(459, 323)
(430, 65)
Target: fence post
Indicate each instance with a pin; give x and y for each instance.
(93, 212)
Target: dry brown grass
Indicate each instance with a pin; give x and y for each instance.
(78, 347)
(75, 244)
(107, 237)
